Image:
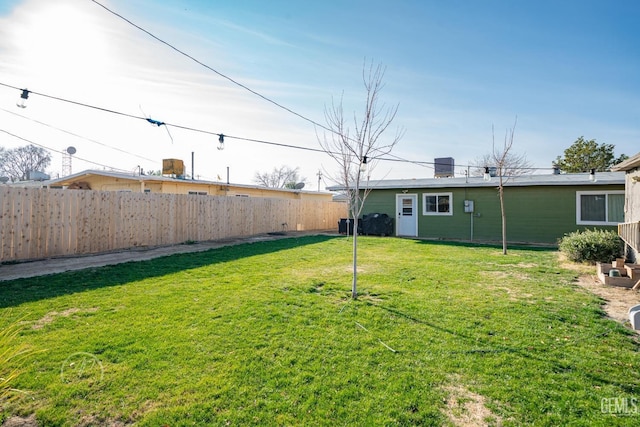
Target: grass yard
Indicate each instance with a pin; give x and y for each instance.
(265, 334)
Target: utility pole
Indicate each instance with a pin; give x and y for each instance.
(319, 179)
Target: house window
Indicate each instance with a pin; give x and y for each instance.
(437, 204)
(198, 193)
(599, 207)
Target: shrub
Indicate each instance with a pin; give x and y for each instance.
(591, 246)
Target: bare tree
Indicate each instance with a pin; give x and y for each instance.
(508, 165)
(356, 153)
(514, 165)
(282, 177)
(15, 163)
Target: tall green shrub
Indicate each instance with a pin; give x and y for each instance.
(591, 246)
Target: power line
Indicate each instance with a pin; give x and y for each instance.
(160, 123)
(54, 150)
(230, 79)
(76, 135)
(81, 104)
(235, 82)
(393, 158)
(197, 61)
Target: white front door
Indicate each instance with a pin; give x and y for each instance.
(407, 215)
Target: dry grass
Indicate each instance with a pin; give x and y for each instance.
(51, 316)
(465, 408)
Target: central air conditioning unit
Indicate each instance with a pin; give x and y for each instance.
(444, 167)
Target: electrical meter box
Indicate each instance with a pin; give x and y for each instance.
(468, 206)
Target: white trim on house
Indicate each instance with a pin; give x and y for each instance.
(602, 178)
(407, 225)
(437, 195)
(606, 194)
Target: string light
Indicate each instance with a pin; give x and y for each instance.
(221, 137)
(486, 176)
(224, 76)
(363, 165)
(22, 101)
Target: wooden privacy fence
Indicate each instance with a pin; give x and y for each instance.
(40, 223)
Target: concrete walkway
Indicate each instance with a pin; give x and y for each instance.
(60, 265)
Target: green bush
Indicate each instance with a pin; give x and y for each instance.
(591, 246)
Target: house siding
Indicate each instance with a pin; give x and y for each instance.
(534, 214)
(632, 208)
(632, 196)
(152, 184)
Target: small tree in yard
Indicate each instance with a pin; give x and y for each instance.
(508, 165)
(356, 151)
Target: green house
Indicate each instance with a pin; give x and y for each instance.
(539, 209)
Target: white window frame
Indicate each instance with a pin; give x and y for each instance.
(606, 212)
(424, 204)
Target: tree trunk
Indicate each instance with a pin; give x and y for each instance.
(504, 221)
(354, 215)
(354, 285)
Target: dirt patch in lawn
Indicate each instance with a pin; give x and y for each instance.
(467, 409)
(617, 299)
(52, 315)
(29, 421)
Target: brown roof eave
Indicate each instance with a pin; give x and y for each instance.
(630, 163)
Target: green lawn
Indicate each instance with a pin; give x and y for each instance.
(265, 334)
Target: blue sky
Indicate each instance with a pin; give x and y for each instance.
(564, 68)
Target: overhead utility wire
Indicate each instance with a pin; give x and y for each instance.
(159, 123)
(197, 61)
(76, 135)
(208, 67)
(82, 104)
(51, 149)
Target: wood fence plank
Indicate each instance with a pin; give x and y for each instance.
(6, 223)
(112, 217)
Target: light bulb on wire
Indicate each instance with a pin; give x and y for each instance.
(221, 142)
(486, 176)
(22, 101)
(363, 165)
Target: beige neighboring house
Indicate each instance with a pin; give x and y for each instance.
(629, 231)
(115, 181)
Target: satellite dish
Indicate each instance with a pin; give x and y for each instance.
(4, 179)
(299, 186)
(71, 150)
